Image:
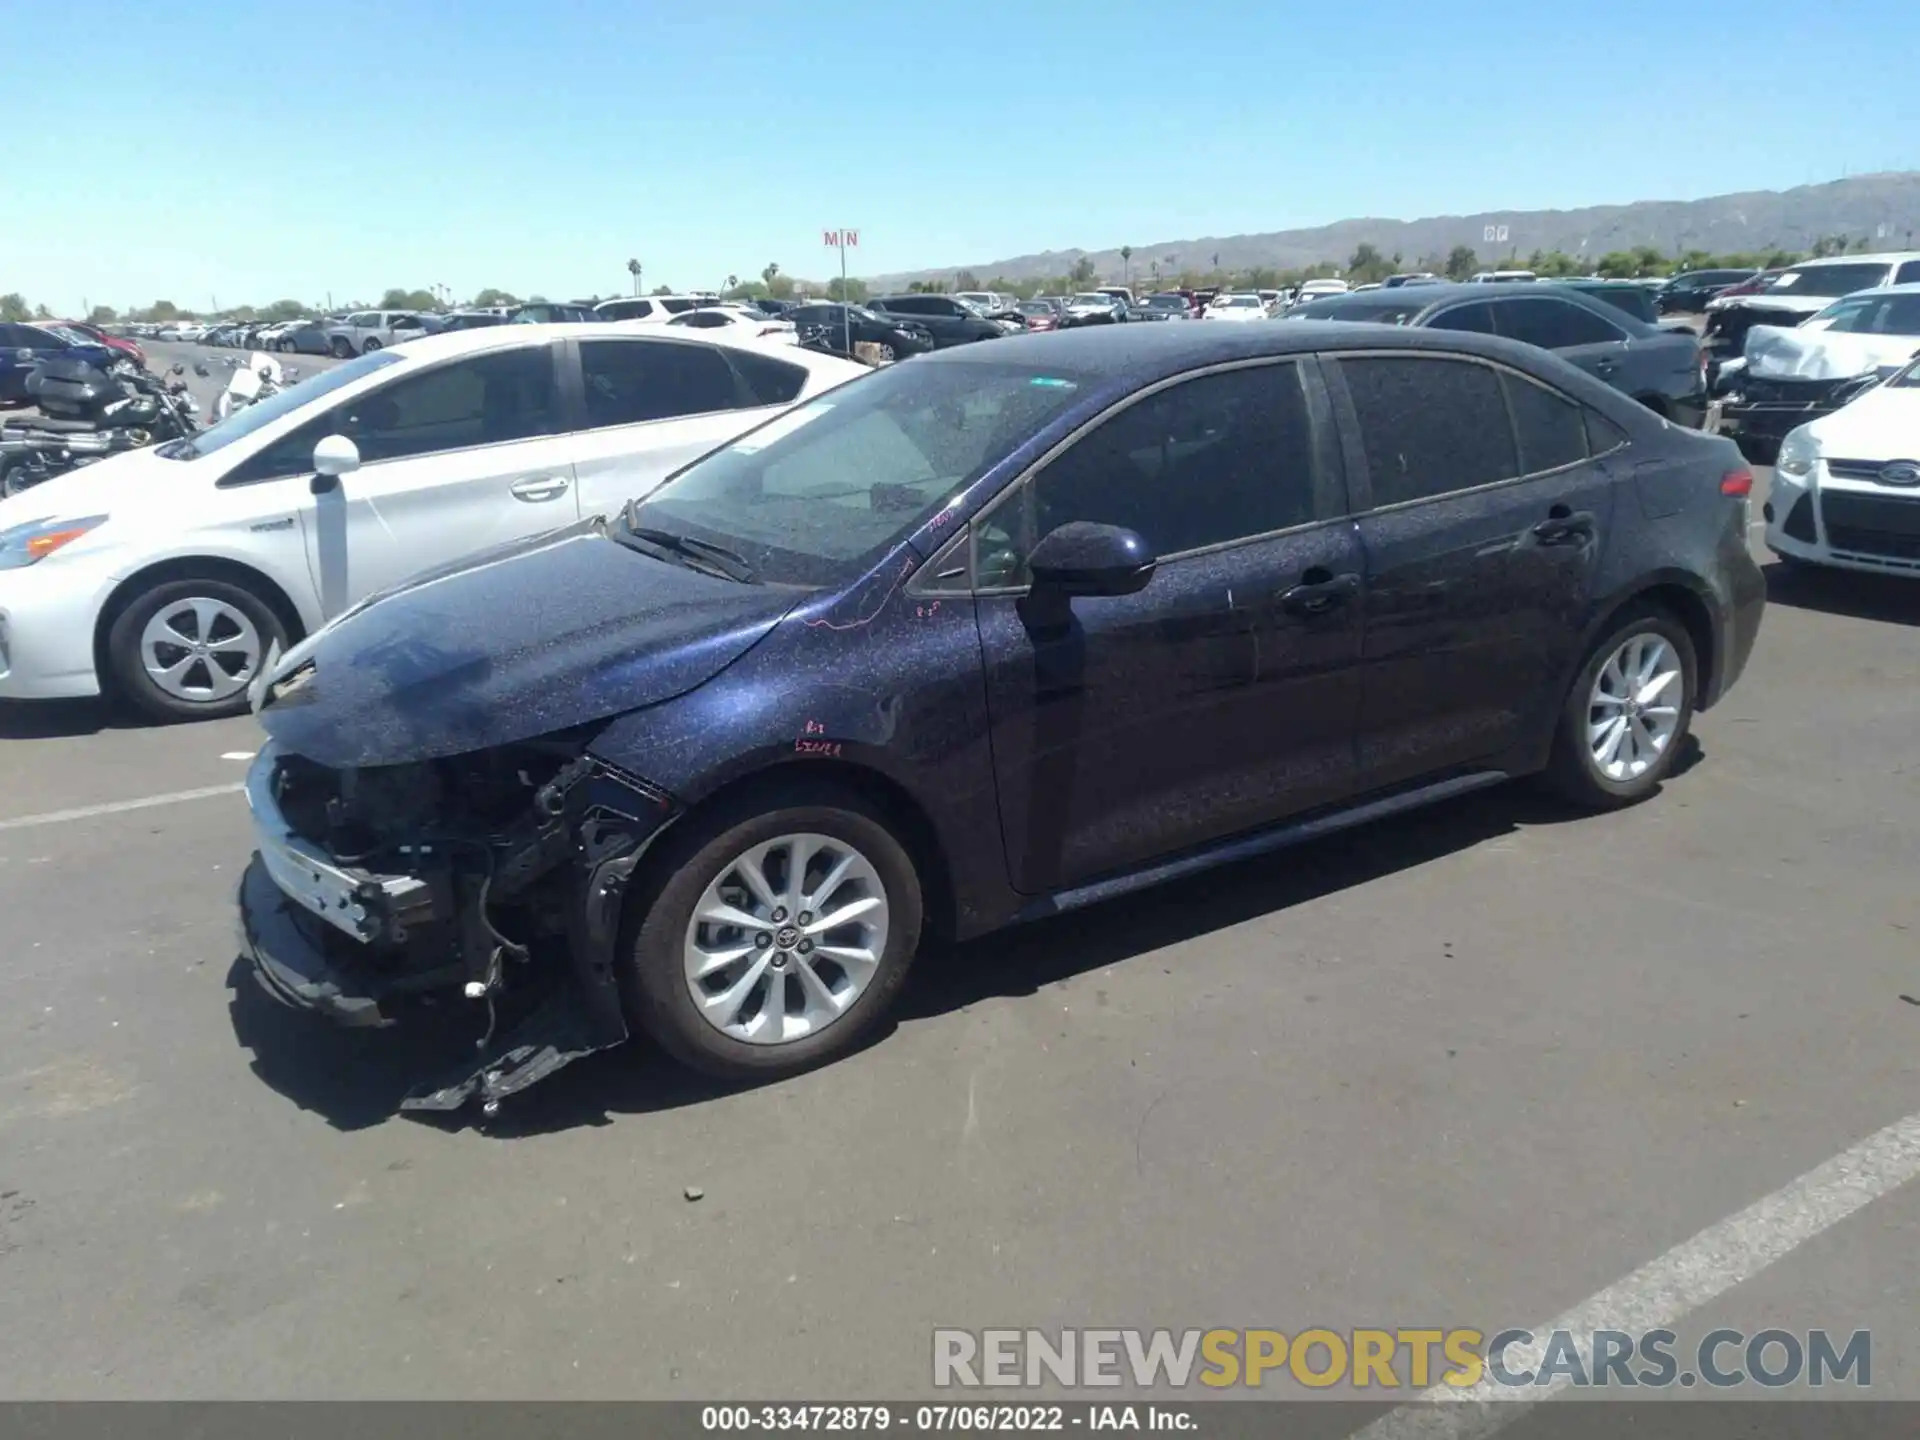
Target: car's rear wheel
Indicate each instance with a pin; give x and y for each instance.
(342, 347)
(188, 649)
(1628, 712)
(776, 933)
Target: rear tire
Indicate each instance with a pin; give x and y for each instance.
(707, 854)
(341, 347)
(234, 630)
(1620, 731)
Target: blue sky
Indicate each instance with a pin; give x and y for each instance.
(345, 146)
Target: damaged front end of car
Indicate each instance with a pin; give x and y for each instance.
(495, 879)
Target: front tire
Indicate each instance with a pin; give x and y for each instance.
(341, 347)
(755, 990)
(371, 346)
(188, 649)
(1627, 713)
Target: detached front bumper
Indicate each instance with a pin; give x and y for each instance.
(364, 948)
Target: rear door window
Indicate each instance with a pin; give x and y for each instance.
(1430, 425)
(1551, 429)
(628, 382)
(1552, 324)
(772, 382)
(1476, 318)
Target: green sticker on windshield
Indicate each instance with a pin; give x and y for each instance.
(1053, 383)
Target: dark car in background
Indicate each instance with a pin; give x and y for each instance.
(1163, 305)
(836, 327)
(1002, 633)
(1629, 297)
(24, 346)
(1690, 290)
(1665, 370)
(949, 321)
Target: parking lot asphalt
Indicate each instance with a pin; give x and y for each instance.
(1464, 1068)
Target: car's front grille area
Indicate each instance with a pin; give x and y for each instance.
(1759, 390)
(1860, 469)
(1880, 525)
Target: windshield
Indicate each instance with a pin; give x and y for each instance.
(1907, 379)
(1034, 307)
(1871, 315)
(1165, 302)
(815, 496)
(1093, 300)
(1243, 302)
(245, 421)
(1827, 280)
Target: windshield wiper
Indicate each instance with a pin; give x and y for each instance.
(728, 563)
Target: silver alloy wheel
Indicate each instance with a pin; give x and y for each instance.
(786, 938)
(200, 650)
(1634, 710)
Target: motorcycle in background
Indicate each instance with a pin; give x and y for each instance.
(88, 414)
(259, 377)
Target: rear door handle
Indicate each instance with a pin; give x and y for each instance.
(547, 487)
(1564, 527)
(1319, 592)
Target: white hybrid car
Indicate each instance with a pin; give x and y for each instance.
(1846, 488)
(1236, 307)
(165, 575)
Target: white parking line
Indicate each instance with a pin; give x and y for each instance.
(1688, 1276)
(118, 807)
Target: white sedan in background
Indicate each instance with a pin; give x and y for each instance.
(1236, 307)
(166, 575)
(1846, 488)
(742, 322)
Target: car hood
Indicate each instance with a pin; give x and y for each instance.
(1883, 424)
(108, 487)
(1774, 353)
(1786, 303)
(540, 635)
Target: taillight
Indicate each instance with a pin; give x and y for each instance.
(1737, 483)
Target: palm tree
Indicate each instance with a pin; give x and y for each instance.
(633, 269)
(773, 269)
(1126, 261)
(733, 284)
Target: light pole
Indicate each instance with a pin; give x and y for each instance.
(842, 240)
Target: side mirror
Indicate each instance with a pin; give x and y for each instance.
(1085, 558)
(333, 457)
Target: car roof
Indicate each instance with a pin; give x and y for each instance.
(1149, 352)
(450, 344)
(1884, 257)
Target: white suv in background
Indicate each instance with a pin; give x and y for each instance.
(167, 574)
(655, 309)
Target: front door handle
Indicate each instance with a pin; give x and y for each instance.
(547, 487)
(1318, 592)
(1564, 527)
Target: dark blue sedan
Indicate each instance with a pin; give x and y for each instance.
(992, 634)
(24, 346)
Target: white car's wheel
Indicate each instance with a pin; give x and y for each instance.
(188, 649)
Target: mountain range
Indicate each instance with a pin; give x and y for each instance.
(1883, 208)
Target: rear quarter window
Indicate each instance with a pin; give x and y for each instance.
(771, 382)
